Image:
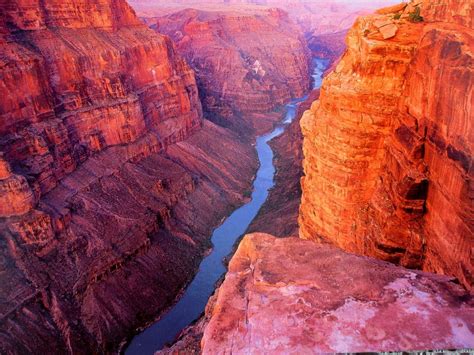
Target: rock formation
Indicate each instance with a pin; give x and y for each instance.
(314, 17)
(282, 294)
(388, 146)
(110, 180)
(245, 63)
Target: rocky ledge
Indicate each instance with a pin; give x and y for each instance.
(294, 294)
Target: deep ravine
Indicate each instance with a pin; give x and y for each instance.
(191, 305)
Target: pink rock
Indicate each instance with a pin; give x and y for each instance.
(291, 294)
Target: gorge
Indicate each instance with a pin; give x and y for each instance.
(136, 150)
(384, 157)
(192, 303)
(111, 179)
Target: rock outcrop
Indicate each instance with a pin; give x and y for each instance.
(245, 63)
(388, 146)
(110, 180)
(282, 294)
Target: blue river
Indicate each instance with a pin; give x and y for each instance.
(193, 302)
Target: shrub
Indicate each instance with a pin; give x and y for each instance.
(397, 16)
(415, 15)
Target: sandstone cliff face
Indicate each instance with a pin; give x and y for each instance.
(110, 181)
(73, 85)
(291, 294)
(388, 147)
(244, 62)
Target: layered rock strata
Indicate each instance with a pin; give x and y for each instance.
(293, 295)
(314, 17)
(388, 146)
(110, 181)
(245, 63)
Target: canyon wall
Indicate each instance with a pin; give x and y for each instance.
(388, 146)
(245, 62)
(328, 45)
(110, 180)
(314, 17)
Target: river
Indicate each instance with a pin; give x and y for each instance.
(193, 302)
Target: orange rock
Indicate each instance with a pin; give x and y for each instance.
(388, 147)
(16, 196)
(291, 295)
(5, 171)
(388, 31)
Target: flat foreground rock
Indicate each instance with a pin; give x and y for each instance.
(292, 294)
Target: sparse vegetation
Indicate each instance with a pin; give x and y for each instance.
(415, 15)
(397, 16)
(366, 33)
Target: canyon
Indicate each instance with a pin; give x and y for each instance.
(387, 175)
(111, 176)
(111, 180)
(322, 23)
(135, 152)
(241, 77)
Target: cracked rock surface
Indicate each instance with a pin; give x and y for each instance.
(290, 293)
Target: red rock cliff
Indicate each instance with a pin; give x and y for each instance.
(245, 62)
(108, 186)
(83, 78)
(388, 146)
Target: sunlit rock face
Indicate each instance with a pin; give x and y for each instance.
(292, 295)
(84, 78)
(110, 180)
(244, 62)
(388, 146)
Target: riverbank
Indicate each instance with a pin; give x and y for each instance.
(191, 305)
(279, 215)
(225, 239)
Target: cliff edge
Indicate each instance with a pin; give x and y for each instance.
(282, 294)
(388, 146)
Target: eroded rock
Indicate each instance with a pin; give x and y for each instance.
(110, 181)
(293, 295)
(388, 147)
(245, 62)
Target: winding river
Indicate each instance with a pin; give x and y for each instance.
(193, 302)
